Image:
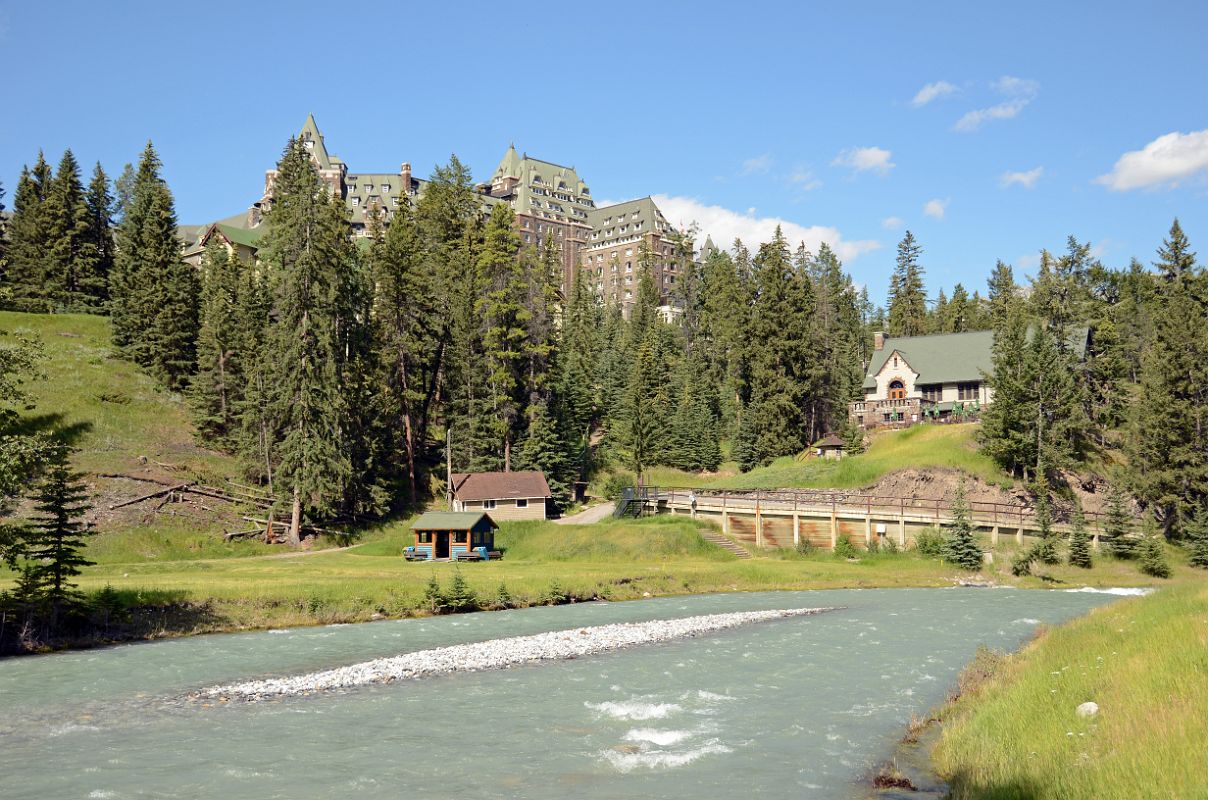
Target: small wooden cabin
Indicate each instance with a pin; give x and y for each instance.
(506, 495)
(444, 534)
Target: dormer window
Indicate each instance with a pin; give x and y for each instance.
(895, 362)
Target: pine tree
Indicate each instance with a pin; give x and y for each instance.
(1080, 543)
(1008, 423)
(1197, 538)
(1117, 526)
(960, 547)
(645, 405)
(1003, 293)
(54, 538)
(3, 246)
(69, 259)
(960, 311)
(312, 262)
(907, 297)
(1045, 551)
(1168, 442)
(727, 309)
(542, 449)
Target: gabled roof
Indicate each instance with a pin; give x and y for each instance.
(499, 485)
(451, 521)
(948, 357)
(310, 133)
(830, 441)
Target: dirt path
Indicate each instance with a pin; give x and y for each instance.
(591, 515)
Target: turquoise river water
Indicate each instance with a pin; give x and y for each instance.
(800, 707)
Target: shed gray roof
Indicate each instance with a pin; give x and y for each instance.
(450, 521)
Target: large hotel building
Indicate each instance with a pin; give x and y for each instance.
(551, 203)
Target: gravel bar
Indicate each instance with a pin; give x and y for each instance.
(498, 654)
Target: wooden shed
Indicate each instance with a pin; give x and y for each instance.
(445, 534)
(506, 495)
(829, 447)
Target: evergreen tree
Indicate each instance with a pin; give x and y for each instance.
(727, 309)
(99, 241)
(154, 295)
(695, 441)
(1080, 543)
(3, 246)
(543, 449)
(782, 357)
(69, 259)
(907, 297)
(30, 238)
(314, 273)
(960, 547)
(1003, 293)
(1008, 422)
(216, 390)
(1168, 445)
(645, 405)
(1197, 538)
(54, 538)
(961, 314)
(1152, 553)
(1045, 550)
(1118, 524)
(407, 344)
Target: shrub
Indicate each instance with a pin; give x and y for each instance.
(503, 598)
(555, 595)
(890, 545)
(1153, 557)
(929, 542)
(617, 483)
(434, 600)
(1021, 564)
(845, 549)
(804, 547)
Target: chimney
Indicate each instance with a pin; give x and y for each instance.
(405, 173)
(878, 340)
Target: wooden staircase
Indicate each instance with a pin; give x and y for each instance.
(725, 543)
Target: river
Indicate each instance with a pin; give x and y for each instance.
(799, 707)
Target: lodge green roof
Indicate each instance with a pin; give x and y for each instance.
(248, 237)
(450, 521)
(947, 357)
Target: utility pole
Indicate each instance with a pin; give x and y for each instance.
(449, 467)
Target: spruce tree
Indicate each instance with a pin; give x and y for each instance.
(542, 449)
(1117, 527)
(68, 259)
(312, 262)
(215, 392)
(782, 358)
(1168, 441)
(727, 310)
(3, 246)
(1152, 552)
(1197, 538)
(30, 238)
(1007, 423)
(960, 546)
(55, 537)
(1045, 551)
(99, 203)
(1003, 293)
(1080, 543)
(645, 405)
(907, 297)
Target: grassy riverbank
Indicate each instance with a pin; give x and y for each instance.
(172, 583)
(1141, 660)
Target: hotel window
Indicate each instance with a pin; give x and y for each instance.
(369, 187)
(967, 391)
(628, 251)
(394, 201)
(385, 188)
(356, 201)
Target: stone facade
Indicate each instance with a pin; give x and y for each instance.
(619, 233)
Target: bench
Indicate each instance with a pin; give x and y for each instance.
(467, 555)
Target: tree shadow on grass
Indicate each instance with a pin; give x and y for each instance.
(51, 424)
(963, 786)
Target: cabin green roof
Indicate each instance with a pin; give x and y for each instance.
(450, 521)
(948, 357)
(248, 237)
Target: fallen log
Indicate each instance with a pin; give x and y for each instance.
(285, 526)
(147, 497)
(240, 534)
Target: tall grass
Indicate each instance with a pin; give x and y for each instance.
(1144, 661)
(104, 405)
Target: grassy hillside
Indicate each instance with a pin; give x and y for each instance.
(105, 405)
(1142, 661)
(919, 447)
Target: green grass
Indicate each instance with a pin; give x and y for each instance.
(918, 447)
(105, 405)
(1143, 660)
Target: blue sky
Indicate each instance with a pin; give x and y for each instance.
(1042, 119)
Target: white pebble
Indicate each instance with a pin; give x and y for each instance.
(1087, 709)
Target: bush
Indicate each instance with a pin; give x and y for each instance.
(555, 595)
(461, 597)
(503, 598)
(804, 547)
(434, 599)
(845, 549)
(617, 483)
(889, 545)
(1021, 564)
(929, 542)
(1153, 557)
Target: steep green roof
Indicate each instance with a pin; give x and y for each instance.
(948, 357)
(248, 237)
(310, 133)
(449, 521)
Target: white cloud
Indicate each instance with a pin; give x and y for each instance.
(932, 91)
(1166, 161)
(865, 159)
(1019, 93)
(1025, 179)
(805, 180)
(726, 225)
(892, 223)
(757, 164)
(936, 208)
